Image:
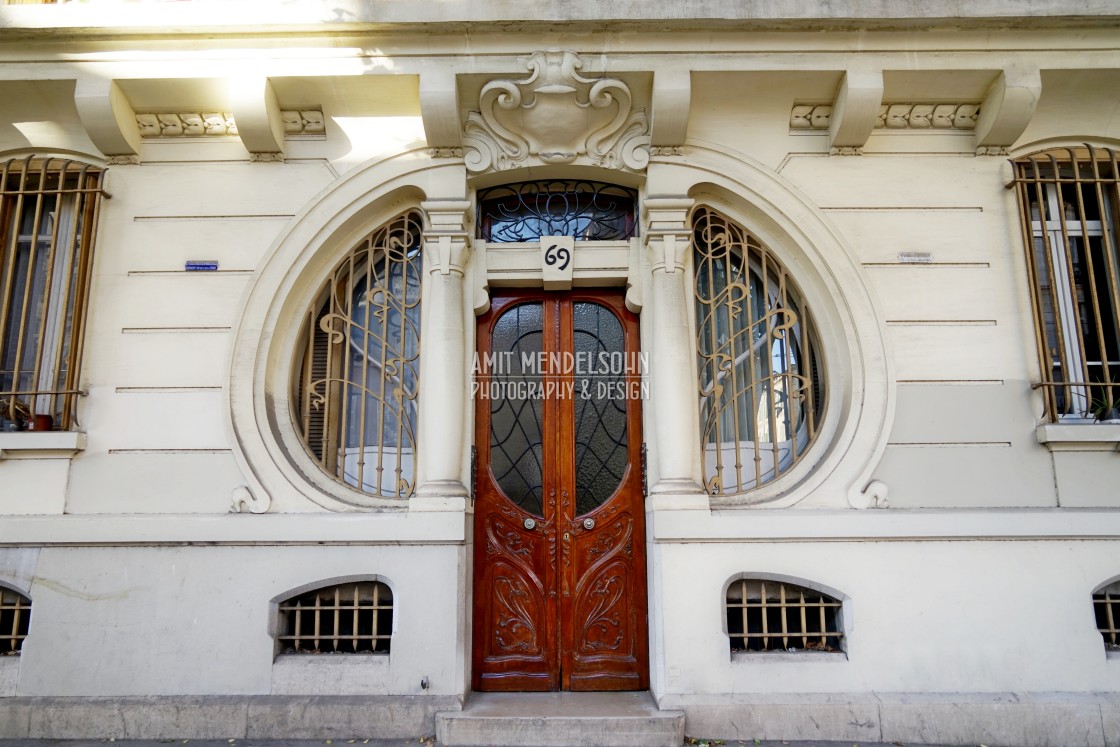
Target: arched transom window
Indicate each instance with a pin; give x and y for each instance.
(358, 369)
(760, 376)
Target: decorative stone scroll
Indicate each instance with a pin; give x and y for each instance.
(556, 116)
(186, 124)
(303, 122)
(894, 117)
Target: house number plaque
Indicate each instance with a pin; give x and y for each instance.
(557, 260)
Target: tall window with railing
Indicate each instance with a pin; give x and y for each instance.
(358, 368)
(48, 218)
(1068, 199)
(760, 375)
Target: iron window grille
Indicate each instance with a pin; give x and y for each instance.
(1069, 199)
(1106, 608)
(774, 616)
(343, 619)
(15, 618)
(358, 369)
(760, 379)
(48, 219)
(588, 211)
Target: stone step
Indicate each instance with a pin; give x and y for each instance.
(560, 720)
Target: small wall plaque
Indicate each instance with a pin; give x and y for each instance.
(557, 259)
(915, 258)
(201, 265)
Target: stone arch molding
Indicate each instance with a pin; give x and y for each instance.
(278, 474)
(837, 471)
(556, 116)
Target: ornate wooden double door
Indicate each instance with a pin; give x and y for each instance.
(559, 539)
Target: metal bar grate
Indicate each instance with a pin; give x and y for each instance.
(760, 383)
(48, 219)
(1106, 607)
(1069, 199)
(773, 616)
(15, 617)
(344, 619)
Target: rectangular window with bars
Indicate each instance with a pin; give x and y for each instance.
(1069, 200)
(347, 618)
(773, 616)
(48, 216)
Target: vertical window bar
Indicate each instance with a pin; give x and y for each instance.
(337, 617)
(744, 600)
(1108, 610)
(765, 617)
(804, 623)
(1046, 362)
(785, 626)
(1108, 210)
(299, 620)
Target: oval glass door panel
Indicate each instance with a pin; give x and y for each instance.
(601, 389)
(516, 447)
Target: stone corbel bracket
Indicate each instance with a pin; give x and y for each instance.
(855, 111)
(556, 116)
(439, 110)
(1007, 109)
(108, 119)
(259, 122)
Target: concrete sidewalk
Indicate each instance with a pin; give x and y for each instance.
(417, 742)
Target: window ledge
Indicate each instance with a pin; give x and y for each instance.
(788, 657)
(57, 444)
(1112, 654)
(1079, 437)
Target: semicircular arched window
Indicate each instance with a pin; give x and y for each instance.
(760, 375)
(358, 368)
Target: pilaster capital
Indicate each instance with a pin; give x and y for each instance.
(447, 243)
(667, 232)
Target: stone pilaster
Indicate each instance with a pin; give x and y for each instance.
(444, 380)
(672, 389)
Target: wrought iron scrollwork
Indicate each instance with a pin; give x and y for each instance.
(585, 210)
(760, 380)
(359, 375)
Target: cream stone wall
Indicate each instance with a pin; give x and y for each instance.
(964, 537)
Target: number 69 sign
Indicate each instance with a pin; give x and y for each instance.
(556, 262)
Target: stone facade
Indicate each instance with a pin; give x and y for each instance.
(866, 145)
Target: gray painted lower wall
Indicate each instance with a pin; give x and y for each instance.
(246, 717)
(993, 719)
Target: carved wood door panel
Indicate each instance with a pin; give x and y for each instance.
(559, 539)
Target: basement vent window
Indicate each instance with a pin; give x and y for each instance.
(15, 616)
(1106, 606)
(772, 616)
(353, 618)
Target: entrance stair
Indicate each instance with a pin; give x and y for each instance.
(566, 719)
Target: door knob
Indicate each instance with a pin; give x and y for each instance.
(530, 524)
(588, 523)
